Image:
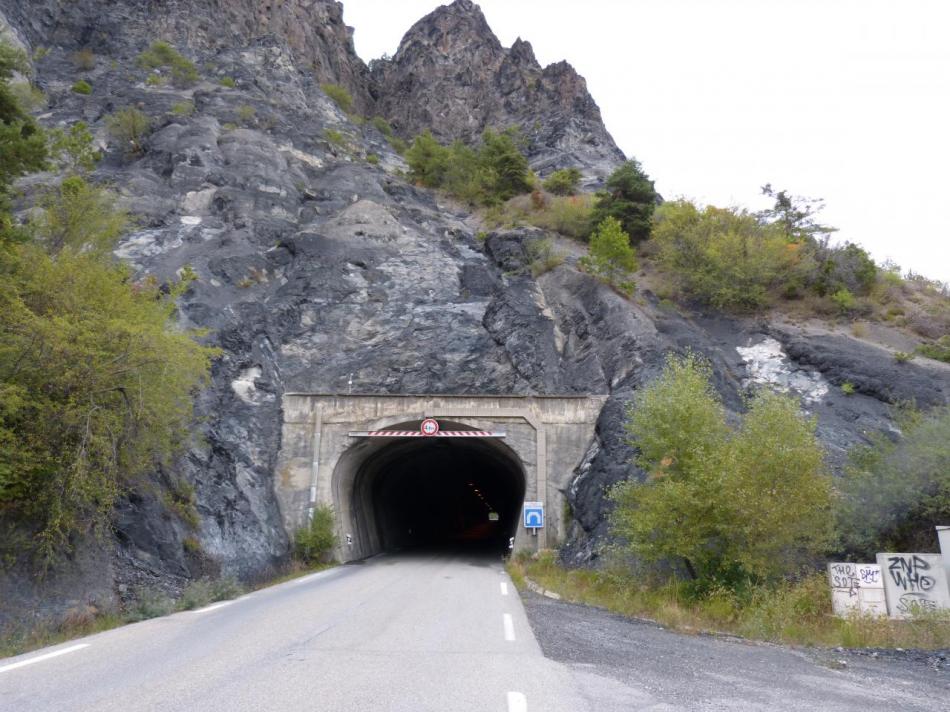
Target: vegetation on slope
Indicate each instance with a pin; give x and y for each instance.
(96, 384)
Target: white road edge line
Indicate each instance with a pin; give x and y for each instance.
(509, 627)
(504, 589)
(517, 702)
(41, 658)
(214, 607)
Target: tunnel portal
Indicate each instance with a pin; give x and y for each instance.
(439, 493)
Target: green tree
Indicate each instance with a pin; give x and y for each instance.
(506, 167)
(428, 160)
(725, 258)
(79, 216)
(563, 181)
(22, 142)
(628, 196)
(730, 505)
(895, 492)
(610, 255)
(129, 127)
(795, 215)
(314, 542)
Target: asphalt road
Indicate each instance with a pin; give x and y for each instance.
(621, 664)
(441, 633)
(406, 633)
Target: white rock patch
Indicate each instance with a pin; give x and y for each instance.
(768, 364)
(245, 389)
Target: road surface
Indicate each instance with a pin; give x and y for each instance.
(441, 633)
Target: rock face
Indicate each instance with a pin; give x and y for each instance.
(312, 30)
(320, 270)
(452, 76)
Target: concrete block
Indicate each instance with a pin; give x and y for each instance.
(856, 589)
(914, 583)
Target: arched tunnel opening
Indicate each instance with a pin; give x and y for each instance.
(463, 494)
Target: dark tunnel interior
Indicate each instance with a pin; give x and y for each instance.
(457, 493)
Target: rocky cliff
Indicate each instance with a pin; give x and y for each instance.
(318, 268)
(452, 76)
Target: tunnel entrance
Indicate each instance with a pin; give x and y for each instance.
(451, 493)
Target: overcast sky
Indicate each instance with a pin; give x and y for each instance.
(846, 100)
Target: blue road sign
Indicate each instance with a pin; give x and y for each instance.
(533, 515)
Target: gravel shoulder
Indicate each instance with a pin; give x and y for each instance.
(624, 664)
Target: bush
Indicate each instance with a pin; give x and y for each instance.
(543, 256)
(722, 257)
(844, 301)
(162, 56)
(383, 126)
(563, 181)
(183, 108)
(339, 95)
(731, 506)
(372, 159)
(334, 138)
(227, 82)
(630, 198)
(491, 174)
(938, 350)
(82, 87)
(84, 59)
(129, 126)
(80, 217)
(895, 492)
(246, 114)
(314, 542)
(846, 268)
(611, 257)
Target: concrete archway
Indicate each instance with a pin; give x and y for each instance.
(378, 486)
(429, 492)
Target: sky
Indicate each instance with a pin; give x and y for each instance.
(843, 100)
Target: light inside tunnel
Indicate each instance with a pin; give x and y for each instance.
(462, 493)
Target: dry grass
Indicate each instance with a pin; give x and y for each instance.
(567, 215)
(798, 614)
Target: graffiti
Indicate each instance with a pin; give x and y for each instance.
(915, 603)
(856, 589)
(914, 583)
(907, 572)
(870, 575)
(845, 576)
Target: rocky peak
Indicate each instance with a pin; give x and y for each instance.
(452, 76)
(313, 30)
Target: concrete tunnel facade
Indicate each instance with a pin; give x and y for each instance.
(394, 493)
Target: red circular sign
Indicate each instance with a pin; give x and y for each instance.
(430, 426)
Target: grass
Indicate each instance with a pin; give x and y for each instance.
(567, 215)
(795, 613)
(149, 603)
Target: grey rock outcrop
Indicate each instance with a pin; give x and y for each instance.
(452, 76)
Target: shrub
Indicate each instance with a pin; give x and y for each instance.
(732, 506)
(543, 256)
(335, 138)
(84, 59)
(162, 56)
(72, 151)
(903, 356)
(896, 491)
(340, 96)
(630, 198)
(844, 300)
(82, 87)
(372, 159)
(492, 173)
(246, 114)
(722, 257)
(847, 388)
(227, 82)
(80, 217)
(27, 97)
(938, 350)
(314, 543)
(611, 256)
(129, 126)
(563, 181)
(383, 126)
(183, 108)
(399, 146)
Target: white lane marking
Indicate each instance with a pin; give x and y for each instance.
(214, 607)
(504, 589)
(517, 702)
(509, 627)
(41, 658)
(312, 577)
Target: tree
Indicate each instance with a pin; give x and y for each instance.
(22, 142)
(563, 181)
(428, 160)
(129, 126)
(610, 256)
(795, 215)
(722, 257)
(505, 166)
(628, 196)
(895, 492)
(730, 505)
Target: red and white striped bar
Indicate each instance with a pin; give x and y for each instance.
(420, 434)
